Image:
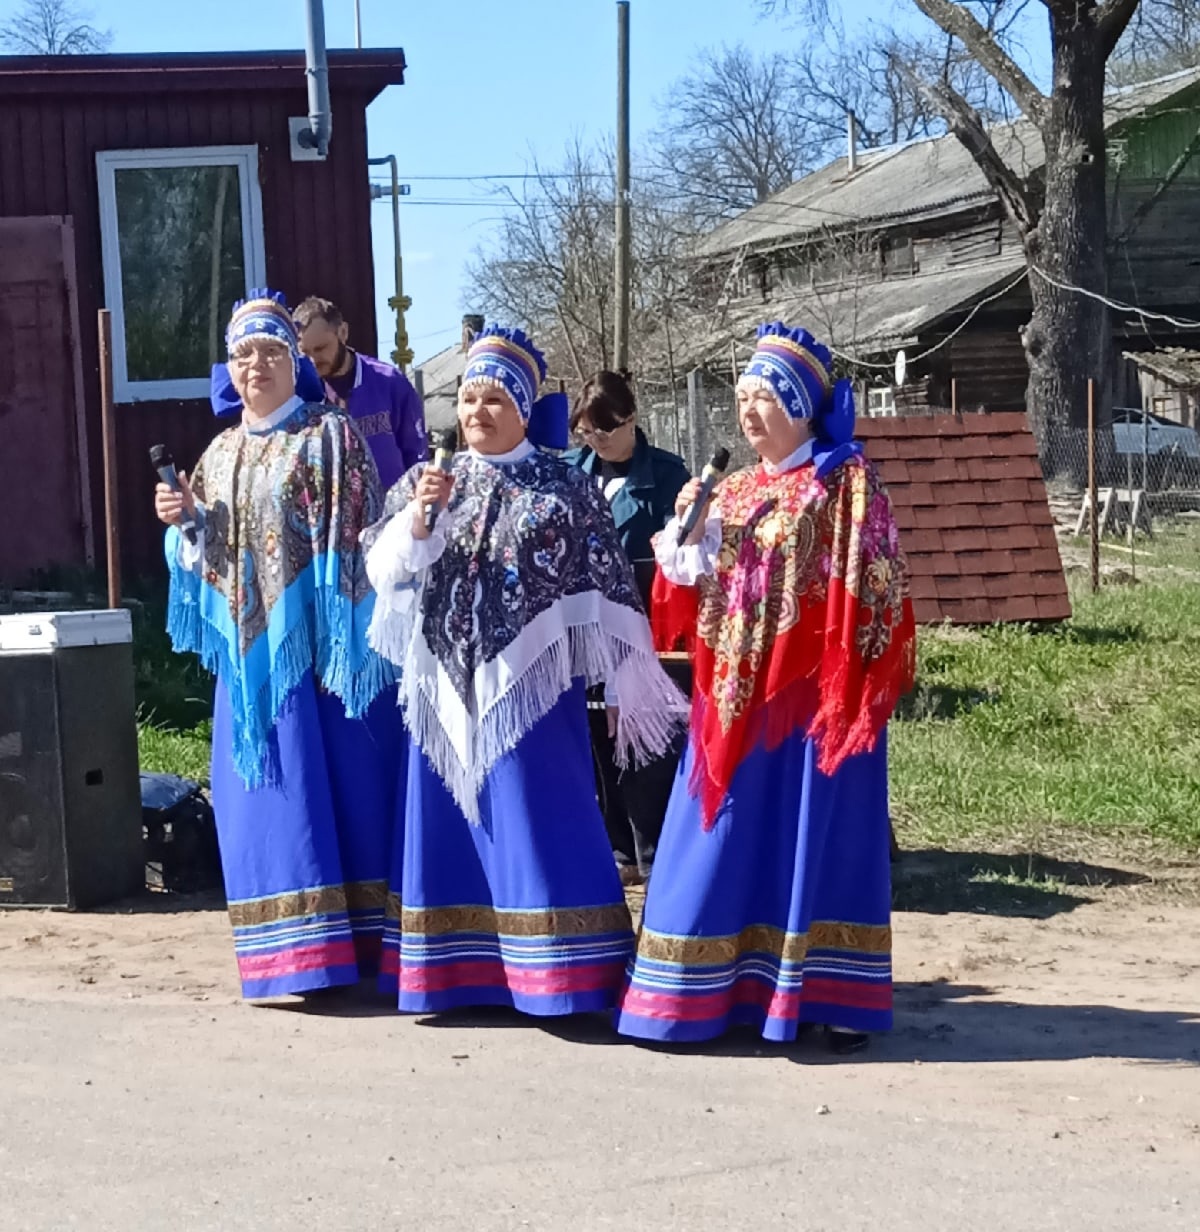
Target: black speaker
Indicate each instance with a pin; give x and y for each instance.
(70, 804)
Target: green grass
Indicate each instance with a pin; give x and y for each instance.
(174, 752)
(174, 698)
(1015, 737)
(1090, 730)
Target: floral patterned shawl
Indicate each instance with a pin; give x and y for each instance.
(532, 592)
(281, 589)
(805, 625)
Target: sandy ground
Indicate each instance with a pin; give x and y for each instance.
(1044, 1072)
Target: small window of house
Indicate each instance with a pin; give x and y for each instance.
(182, 235)
(898, 255)
(881, 402)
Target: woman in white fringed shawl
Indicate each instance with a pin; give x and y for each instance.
(499, 616)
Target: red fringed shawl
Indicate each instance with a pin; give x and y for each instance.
(805, 625)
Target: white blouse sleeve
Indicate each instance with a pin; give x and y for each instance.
(686, 565)
(397, 556)
(191, 555)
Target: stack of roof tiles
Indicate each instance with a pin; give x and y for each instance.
(973, 514)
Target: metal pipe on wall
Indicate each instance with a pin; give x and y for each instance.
(316, 69)
(402, 356)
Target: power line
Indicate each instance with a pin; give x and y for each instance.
(958, 329)
(1128, 309)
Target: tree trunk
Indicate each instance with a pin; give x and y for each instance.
(1068, 339)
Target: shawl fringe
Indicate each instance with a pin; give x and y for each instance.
(652, 710)
(357, 678)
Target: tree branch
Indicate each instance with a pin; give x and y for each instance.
(967, 125)
(1111, 19)
(960, 22)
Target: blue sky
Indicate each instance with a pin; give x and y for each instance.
(489, 86)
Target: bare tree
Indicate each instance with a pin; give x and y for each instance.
(731, 136)
(1163, 36)
(871, 77)
(1060, 213)
(549, 264)
(53, 28)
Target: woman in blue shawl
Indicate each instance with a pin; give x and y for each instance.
(273, 597)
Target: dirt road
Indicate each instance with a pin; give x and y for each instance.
(1045, 1072)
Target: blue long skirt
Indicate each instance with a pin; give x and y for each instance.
(778, 915)
(525, 909)
(306, 855)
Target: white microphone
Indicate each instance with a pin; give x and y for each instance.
(161, 460)
(709, 476)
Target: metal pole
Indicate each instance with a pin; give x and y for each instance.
(316, 67)
(695, 395)
(954, 395)
(1129, 493)
(108, 426)
(358, 24)
(1093, 511)
(400, 303)
(623, 271)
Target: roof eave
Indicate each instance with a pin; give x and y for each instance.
(365, 72)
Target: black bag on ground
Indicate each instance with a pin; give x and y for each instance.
(180, 836)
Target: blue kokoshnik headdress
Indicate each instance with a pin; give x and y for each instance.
(798, 370)
(507, 359)
(263, 315)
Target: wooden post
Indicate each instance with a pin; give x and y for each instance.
(1093, 511)
(109, 428)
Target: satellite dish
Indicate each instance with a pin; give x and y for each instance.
(901, 367)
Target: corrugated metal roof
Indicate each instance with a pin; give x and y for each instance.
(871, 317)
(1178, 366)
(439, 380)
(919, 179)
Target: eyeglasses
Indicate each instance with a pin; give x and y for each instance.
(603, 434)
(273, 357)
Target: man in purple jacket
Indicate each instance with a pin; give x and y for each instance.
(374, 394)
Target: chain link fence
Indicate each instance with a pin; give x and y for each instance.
(1147, 497)
(694, 418)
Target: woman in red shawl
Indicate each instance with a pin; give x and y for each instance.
(770, 903)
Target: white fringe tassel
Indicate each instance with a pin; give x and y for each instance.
(652, 709)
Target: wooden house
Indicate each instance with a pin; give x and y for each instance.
(907, 248)
(161, 187)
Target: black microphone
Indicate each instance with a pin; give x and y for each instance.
(711, 473)
(161, 460)
(443, 459)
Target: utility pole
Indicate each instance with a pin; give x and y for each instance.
(623, 272)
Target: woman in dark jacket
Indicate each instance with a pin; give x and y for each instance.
(641, 484)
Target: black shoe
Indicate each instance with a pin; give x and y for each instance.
(842, 1043)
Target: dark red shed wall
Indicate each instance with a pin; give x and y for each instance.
(316, 219)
